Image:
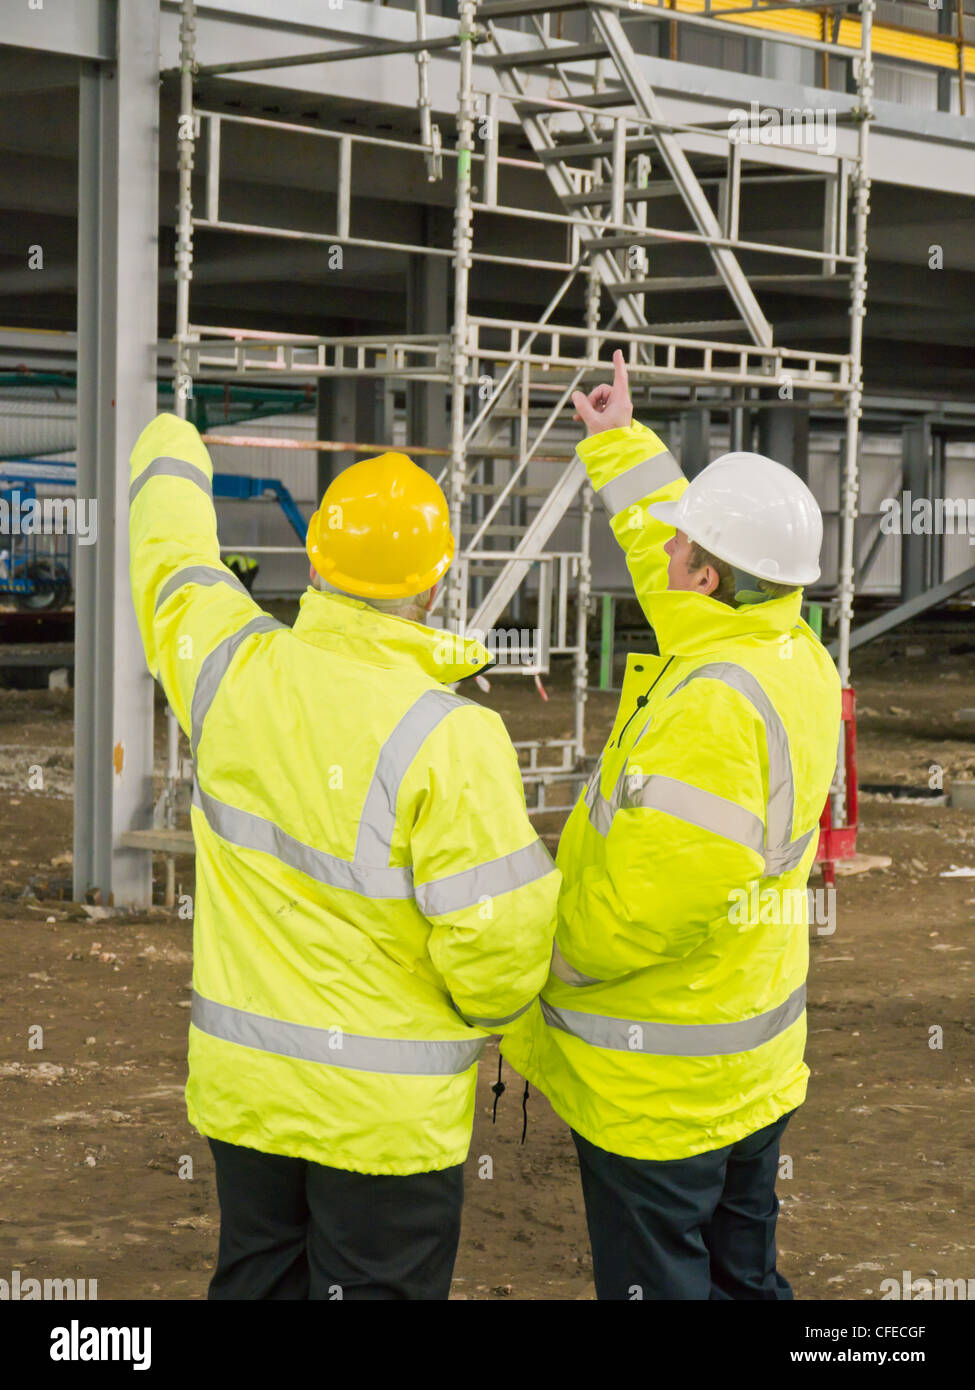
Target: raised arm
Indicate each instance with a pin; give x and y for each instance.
(629, 466)
(187, 601)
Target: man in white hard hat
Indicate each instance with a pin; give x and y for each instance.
(671, 1030)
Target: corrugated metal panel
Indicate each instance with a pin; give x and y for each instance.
(907, 86)
(906, 16)
(32, 424)
(244, 524)
(710, 49)
(297, 470)
(959, 553)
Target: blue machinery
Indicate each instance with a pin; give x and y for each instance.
(35, 551)
(239, 487)
(35, 533)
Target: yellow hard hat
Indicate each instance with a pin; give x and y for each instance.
(382, 531)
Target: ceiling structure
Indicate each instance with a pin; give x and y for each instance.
(921, 260)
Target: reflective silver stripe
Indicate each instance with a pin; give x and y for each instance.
(248, 831)
(601, 811)
(490, 880)
(679, 1039)
(567, 973)
(171, 468)
(496, 1022)
(689, 803)
(638, 482)
(781, 790)
(780, 861)
(214, 668)
(333, 1047)
(378, 819)
(197, 574)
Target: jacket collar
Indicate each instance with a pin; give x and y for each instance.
(351, 628)
(689, 624)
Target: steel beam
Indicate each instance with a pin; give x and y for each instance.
(905, 611)
(83, 29)
(118, 272)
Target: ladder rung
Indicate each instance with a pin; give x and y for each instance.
(683, 330)
(535, 412)
(810, 279)
(469, 527)
(548, 57)
(487, 490)
(504, 451)
(662, 284)
(603, 193)
(617, 97)
(494, 9)
(594, 149)
(667, 282)
(638, 238)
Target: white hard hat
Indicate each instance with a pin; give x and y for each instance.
(752, 513)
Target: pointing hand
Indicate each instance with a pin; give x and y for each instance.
(606, 407)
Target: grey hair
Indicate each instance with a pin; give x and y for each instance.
(413, 607)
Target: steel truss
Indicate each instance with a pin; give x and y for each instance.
(604, 149)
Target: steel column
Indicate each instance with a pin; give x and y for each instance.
(118, 221)
(916, 549)
(695, 440)
(783, 435)
(427, 296)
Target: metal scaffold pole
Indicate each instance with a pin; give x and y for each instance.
(580, 674)
(183, 385)
(456, 585)
(186, 143)
(854, 399)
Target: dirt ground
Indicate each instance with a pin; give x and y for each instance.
(93, 1153)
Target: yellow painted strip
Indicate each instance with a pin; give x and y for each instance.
(888, 41)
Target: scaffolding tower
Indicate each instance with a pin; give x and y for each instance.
(571, 80)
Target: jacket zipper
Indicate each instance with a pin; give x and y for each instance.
(641, 703)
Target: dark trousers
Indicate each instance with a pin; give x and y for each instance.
(687, 1228)
(294, 1229)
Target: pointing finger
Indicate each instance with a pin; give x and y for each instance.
(621, 381)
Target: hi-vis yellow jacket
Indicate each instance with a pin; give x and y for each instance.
(371, 899)
(673, 1021)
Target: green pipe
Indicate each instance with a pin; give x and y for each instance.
(607, 642)
(203, 390)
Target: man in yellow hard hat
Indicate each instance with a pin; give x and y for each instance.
(371, 902)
